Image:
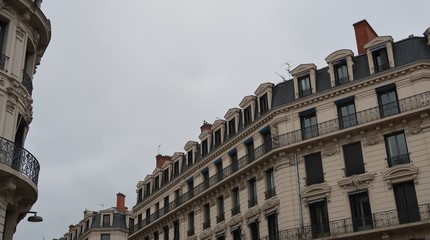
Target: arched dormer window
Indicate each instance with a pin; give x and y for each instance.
(190, 149)
(304, 80)
(340, 67)
(248, 109)
(264, 96)
(380, 54)
(232, 117)
(218, 132)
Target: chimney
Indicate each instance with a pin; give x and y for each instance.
(120, 202)
(364, 33)
(205, 126)
(160, 160)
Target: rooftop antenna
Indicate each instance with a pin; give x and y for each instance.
(288, 70)
(159, 149)
(101, 204)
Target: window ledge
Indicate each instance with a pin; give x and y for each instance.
(235, 220)
(219, 228)
(270, 204)
(400, 173)
(206, 234)
(315, 191)
(356, 182)
(252, 213)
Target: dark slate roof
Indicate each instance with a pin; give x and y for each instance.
(323, 80)
(118, 221)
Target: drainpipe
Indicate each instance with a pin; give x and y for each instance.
(299, 191)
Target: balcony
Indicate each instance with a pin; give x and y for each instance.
(270, 193)
(19, 159)
(324, 128)
(360, 227)
(220, 217)
(206, 224)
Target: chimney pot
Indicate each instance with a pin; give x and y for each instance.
(364, 33)
(120, 202)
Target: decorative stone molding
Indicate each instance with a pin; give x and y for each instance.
(194, 237)
(326, 152)
(220, 228)
(314, 191)
(235, 220)
(252, 212)
(270, 204)
(10, 106)
(206, 233)
(425, 121)
(400, 173)
(356, 182)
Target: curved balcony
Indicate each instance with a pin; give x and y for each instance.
(19, 159)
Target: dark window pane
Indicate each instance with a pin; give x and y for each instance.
(309, 125)
(264, 105)
(388, 103)
(360, 211)
(304, 86)
(406, 202)
(247, 115)
(346, 113)
(314, 169)
(380, 60)
(353, 157)
(341, 73)
(319, 219)
(397, 150)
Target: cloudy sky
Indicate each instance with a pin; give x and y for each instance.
(120, 78)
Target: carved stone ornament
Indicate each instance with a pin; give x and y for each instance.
(235, 220)
(315, 191)
(207, 233)
(425, 121)
(400, 173)
(194, 237)
(326, 152)
(356, 182)
(270, 204)
(20, 32)
(219, 228)
(372, 140)
(252, 212)
(10, 106)
(414, 129)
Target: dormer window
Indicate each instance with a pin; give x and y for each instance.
(217, 138)
(232, 127)
(190, 158)
(380, 54)
(247, 116)
(340, 67)
(264, 95)
(156, 183)
(148, 189)
(341, 72)
(218, 132)
(232, 117)
(304, 79)
(165, 176)
(106, 220)
(175, 168)
(264, 105)
(304, 86)
(380, 59)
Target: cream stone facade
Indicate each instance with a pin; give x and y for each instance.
(24, 35)
(340, 152)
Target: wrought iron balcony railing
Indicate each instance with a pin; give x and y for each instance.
(324, 128)
(27, 82)
(20, 159)
(359, 224)
(399, 159)
(270, 193)
(206, 224)
(220, 218)
(252, 201)
(235, 210)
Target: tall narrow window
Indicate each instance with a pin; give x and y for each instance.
(341, 72)
(165, 176)
(190, 158)
(206, 216)
(139, 220)
(217, 138)
(267, 137)
(353, 157)
(140, 195)
(3, 57)
(247, 115)
(314, 169)
(387, 99)
(234, 161)
(219, 170)
(254, 230)
(264, 104)
(270, 184)
(232, 127)
(166, 232)
(106, 220)
(176, 168)
(205, 175)
(406, 202)
(250, 150)
(176, 231)
(190, 231)
(220, 209)
(397, 150)
(177, 197)
(166, 204)
(156, 235)
(360, 210)
(346, 113)
(308, 121)
(252, 192)
(148, 216)
(190, 184)
(236, 233)
(272, 224)
(157, 183)
(319, 218)
(205, 148)
(380, 59)
(304, 86)
(235, 201)
(157, 210)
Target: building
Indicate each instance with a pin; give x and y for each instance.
(340, 152)
(107, 224)
(24, 36)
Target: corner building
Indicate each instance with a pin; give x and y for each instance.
(24, 35)
(340, 152)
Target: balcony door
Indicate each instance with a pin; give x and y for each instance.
(406, 202)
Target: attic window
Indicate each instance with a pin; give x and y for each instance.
(380, 59)
(304, 86)
(247, 116)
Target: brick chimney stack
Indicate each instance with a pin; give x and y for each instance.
(364, 33)
(205, 126)
(161, 159)
(120, 202)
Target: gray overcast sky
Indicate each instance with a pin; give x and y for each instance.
(120, 78)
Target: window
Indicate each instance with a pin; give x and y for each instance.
(222, 237)
(397, 150)
(232, 127)
(341, 72)
(3, 57)
(267, 137)
(353, 157)
(156, 235)
(177, 197)
(380, 59)
(165, 176)
(219, 170)
(264, 104)
(175, 168)
(106, 220)
(139, 195)
(205, 149)
(206, 216)
(157, 183)
(272, 224)
(148, 216)
(105, 237)
(304, 86)
(252, 190)
(319, 218)
(270, 184)
(234, 161)
(190, 231)
(148, 189)
(157, 210)
(406, 202)
(247, 116)
(387, 99)
(166, 232)
(220, 209)
(205, 174)
(250, 150)
(139, 220)
(190, 184)
(314, 169)
(166, 204)
(87, 225)
(176, 235)
(236, 234)
(346, 113)
(190, 156)
(360, 210)
(254, 230)
(308, 120)
(235, 201)
(217, 138)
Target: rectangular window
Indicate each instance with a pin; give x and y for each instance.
(106, 220)
(353, 157)
(157, 210)
(190, 231)
(176, 235)
(406, 202)
(264, 104)
(314, 169)
(177, 197)
(319, 218)
(165, 176)
(387, 99)
(206, 216)
(222, 237)
(140, 195)
(254, 230)
(380, 59)
(267, 137)
(247, 115)
(235, 201)
(148, 216)
(156, 235)
(176, 168)
(309, 124)
(220, 209)
(166, 204)
(360, 210)
(190, 184)
(148, 189)
(166, 232)
(105, 236)
(157, 183)
(236, 234)
(217, 138)
(219, 170)
(190, 158)
(272, 224)
(232, 127)
(205, 148)
(270, 184)
(234, 161)
(346, 113)
(139, 220)
(341, 72)
(252, 192)
(397, 150)
(250, 150)
(304, 86)
(205, 175)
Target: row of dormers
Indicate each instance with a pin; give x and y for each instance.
(380, 54)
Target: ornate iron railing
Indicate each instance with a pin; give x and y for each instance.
(20, 159)
(362, 117)
(27, 82)
(3, 60)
